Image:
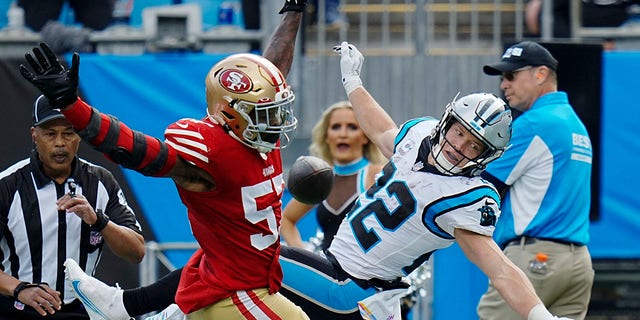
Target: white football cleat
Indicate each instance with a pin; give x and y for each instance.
(172, 312)
(102, 302)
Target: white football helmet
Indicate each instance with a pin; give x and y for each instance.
(249, 96)
(487, 117)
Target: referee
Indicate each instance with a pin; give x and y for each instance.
(54, 206)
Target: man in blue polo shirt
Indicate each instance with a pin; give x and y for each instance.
(545, 176)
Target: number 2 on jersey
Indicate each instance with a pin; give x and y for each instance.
(390, 220)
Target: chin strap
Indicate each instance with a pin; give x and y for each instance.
(218, 120)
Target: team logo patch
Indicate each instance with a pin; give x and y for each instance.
(487, 215)
(404, 149)
(18, 305)
(517, 52)
(95, 238)
(417, 166)
(235, 81)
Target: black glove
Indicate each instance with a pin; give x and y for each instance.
(58, 84)
(293, 5)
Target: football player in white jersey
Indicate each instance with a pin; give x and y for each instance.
(428, 196)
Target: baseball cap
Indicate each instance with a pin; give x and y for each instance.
(43, 111)
(526, 53)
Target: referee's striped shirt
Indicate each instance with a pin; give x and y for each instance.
(36, 238)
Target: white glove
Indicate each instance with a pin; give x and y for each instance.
(350, 66)
(540, 312)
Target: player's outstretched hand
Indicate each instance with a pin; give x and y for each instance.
(293, 5)
(351, 61)
(57, 83)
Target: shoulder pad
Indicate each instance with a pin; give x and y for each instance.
(187, 137)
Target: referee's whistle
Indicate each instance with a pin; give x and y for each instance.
(72, 187)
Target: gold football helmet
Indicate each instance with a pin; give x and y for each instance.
(250, 97)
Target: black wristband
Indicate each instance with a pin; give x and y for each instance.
(25, 285)
(21, 286)
(101, 222)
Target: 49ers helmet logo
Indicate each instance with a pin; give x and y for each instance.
(235, 81)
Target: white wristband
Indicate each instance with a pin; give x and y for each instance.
(540, 312)
(351, 83)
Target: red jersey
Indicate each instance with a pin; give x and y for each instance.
(237, 223)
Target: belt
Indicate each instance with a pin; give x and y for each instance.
(524, 240)
(397, 283)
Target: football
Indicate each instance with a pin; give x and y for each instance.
(310, 179)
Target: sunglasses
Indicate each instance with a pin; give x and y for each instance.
(510, 75)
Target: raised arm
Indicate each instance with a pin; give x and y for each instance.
(374, 121)
(131, 149)
(281, 45)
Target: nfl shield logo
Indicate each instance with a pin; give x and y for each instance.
(18, 305)
(95, 238)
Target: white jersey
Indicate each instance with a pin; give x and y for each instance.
(411, 211)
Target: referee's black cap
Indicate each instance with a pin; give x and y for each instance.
(526, 53)
(43, 111)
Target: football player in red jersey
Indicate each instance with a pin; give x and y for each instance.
(235, 218)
